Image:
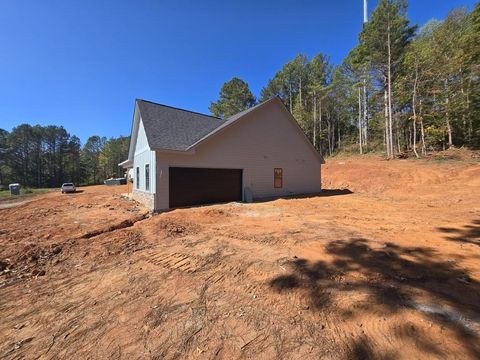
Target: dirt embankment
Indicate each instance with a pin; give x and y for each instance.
(376, 175)
(388, 269)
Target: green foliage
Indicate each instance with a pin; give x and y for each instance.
(471, 51)
(235, 96)
(435, 85)
(389, 18)
(435, 136)
(47, 156)
(114, 152)
(301, 114)
(24, 192)
(288, 82)
(306, 88)
(440, 58)
(435, 69)
(100, 158)
(90, 159)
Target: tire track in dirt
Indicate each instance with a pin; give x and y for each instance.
(176, 261)
(211, 272)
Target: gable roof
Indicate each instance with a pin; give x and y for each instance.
(169, 128)
(173, 129)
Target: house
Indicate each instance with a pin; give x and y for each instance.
(183, 158)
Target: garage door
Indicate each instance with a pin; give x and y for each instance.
(195, 186)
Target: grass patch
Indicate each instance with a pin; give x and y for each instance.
(24, 192)
(441, 159)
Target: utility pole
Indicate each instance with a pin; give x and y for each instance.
(365, 95)
(365, 11)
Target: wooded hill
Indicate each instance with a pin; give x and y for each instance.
(401, 89)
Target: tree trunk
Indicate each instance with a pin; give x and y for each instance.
(365, 110)
(422, 134)
(339, 138)
(449, 130)
(414, 96)
(333, 138)
(407, 135)
(387, 138)
(398, 140)
(360, 121)
(320, 125)
(415, 138)
(290, 97)
(465, 109)
(314, 120)
(329, 138)
(390, 121)
(300, 90)
(447, 115)
(470, 123)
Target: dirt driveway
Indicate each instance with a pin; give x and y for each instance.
(388, 269)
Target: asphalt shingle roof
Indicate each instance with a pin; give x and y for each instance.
(169, 128)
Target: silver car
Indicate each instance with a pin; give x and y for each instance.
(68, 188)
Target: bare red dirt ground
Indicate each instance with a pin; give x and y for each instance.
(388, 269)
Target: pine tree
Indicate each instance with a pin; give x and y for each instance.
(385, 39)
(235, 96)
(289, 82)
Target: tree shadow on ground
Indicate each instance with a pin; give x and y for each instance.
(469, 234)
(334, 192)
(323, 193)
(362, 349)
(391, 276)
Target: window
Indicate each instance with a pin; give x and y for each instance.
(147, 177)
(278, 178)
(137, 180)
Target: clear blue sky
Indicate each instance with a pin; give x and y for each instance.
(81, 64)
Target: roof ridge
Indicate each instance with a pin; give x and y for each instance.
(177, 108)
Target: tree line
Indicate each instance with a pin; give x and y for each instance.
(402, 89)
(47, 156)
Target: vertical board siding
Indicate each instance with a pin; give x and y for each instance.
(258, 143)
(142, 156)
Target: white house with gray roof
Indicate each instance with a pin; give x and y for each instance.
(182, 158)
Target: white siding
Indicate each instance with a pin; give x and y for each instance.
(261, 141)
(143, 156)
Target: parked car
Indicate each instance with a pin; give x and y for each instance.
(68, 188)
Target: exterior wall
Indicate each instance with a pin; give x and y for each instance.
(143, 156)
(261, 141)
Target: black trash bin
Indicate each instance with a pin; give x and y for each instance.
(14, 189)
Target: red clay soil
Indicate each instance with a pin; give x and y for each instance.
(384, 264)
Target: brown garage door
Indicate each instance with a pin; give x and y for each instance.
(195, 186)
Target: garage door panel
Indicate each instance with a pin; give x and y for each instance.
(196, 186)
